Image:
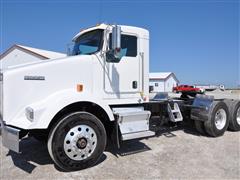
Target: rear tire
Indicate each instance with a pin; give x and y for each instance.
(234, 114)
(218, 119)
(77, 141)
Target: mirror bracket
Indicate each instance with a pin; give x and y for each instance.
(111, 58)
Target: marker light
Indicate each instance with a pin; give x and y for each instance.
(79, 87)
(29, 112)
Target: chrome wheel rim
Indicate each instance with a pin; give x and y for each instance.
(80, 142)
(220, 119)
(238, 115)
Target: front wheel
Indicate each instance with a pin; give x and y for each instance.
(77, 141)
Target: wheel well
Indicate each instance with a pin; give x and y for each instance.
(90, 107)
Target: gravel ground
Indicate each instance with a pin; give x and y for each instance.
(174, 153)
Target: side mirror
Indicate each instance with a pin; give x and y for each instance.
(114, 53)
(116, 40)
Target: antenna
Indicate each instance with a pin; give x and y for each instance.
(100, 12)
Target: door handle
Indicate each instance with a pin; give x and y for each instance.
(134, 85)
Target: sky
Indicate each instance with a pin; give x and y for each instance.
(198, 40)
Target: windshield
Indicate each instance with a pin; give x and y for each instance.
(88, 43)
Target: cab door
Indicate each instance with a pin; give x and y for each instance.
(122, 80)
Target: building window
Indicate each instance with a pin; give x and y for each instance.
(156, 84)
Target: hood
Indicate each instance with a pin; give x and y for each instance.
(28, 84)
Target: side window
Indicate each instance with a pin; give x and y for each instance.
(156, 84)
(128, 45)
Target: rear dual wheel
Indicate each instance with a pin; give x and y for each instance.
(77, 141)
(217, 120)
(234, 114)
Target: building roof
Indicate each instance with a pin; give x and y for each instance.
(42, 54)
(162, 76)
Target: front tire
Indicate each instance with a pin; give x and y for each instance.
(77, 141)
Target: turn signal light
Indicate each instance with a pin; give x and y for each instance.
(79, 87)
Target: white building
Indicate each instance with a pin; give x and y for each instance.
(162, 82)
(18, 54)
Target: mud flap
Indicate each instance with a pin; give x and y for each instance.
(201, 106)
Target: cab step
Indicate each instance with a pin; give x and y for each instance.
(133, 122)
(137, 135)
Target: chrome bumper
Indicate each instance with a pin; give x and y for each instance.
(10, 137)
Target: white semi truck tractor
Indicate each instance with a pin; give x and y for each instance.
(100, 90)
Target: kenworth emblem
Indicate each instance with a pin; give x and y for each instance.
(39, 78)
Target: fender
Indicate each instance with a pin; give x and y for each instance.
(45, 110)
